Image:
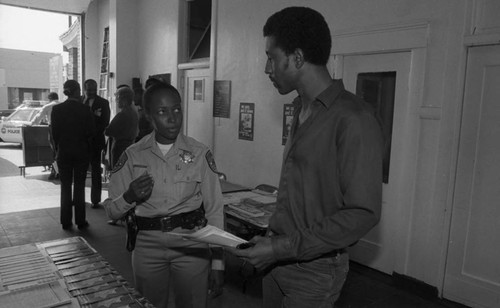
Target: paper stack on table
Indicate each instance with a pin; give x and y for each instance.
(237, 197)
(212, 235)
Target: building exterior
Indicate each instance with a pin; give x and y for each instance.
(24, 75)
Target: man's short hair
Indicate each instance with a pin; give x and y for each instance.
(89, 81)
(123, 86)
(53, 96)
(301, 27)
(126, 95)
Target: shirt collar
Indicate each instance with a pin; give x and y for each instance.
(180, 143)
(328, 96)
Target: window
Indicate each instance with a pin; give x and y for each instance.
(199, 22)
(378, 89)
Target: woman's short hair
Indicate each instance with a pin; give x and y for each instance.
(146, 100)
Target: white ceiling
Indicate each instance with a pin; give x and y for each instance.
(61, 6)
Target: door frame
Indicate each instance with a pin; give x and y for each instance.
(412, 38)
(470, 41)
(183, 66)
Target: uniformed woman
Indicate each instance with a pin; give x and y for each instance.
(171, 182)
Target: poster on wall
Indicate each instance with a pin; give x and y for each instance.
(198, 90)
(287, 121)
(222, 99)
(247, 111)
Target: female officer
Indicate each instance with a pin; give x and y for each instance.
(172, 183)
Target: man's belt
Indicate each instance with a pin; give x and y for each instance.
(188, 220)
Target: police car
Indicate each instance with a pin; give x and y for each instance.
(11, 127)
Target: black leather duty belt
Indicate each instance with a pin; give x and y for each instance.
(188, 220)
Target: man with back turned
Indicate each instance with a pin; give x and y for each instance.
(331, 178)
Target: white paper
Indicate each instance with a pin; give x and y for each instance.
(212, 235)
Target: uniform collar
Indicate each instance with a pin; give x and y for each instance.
(180, 145)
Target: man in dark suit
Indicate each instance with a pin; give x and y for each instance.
(72, 128)
(101, 112)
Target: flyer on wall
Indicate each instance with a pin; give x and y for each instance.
(287, 121)
(247, 111)
(222, 98)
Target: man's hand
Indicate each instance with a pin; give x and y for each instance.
(260, 256)
(98, 112)
(140, 189)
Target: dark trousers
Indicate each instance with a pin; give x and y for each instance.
(72, 174)
(95, 167)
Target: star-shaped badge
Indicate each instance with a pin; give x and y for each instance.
(186, 157)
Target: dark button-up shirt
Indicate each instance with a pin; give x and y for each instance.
(330, 191)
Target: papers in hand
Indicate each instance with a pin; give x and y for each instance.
(212, 235)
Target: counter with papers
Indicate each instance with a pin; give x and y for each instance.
(62, 273)
(247, 213)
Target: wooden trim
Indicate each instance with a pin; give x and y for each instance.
(381, 38)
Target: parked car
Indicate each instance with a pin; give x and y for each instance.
(10, 127)
(6, 112)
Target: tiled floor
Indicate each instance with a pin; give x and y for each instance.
(29, 213)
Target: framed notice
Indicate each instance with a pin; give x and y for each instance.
(247, 111)
(198, 90)
(287, 121)
(222, 99)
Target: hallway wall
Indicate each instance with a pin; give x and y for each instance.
(434, 120)
(241, 59)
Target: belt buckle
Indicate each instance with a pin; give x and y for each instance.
(165, 224)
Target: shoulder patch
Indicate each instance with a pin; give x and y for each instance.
(121, 162)
(211, 161)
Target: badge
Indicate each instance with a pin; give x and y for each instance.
(121, 162)
(211, 161)
(186, 157)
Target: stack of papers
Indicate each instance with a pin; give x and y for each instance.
(212, 235)
(237, 197)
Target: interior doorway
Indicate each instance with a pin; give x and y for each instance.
(382, 79)
(473, 269)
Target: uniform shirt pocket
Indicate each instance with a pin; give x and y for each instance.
(187, 182)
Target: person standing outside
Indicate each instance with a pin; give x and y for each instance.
(330, 190)
(72, 128)
(43, 118)
(101, 112)
(171, 183)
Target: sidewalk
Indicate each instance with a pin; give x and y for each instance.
(32, 192)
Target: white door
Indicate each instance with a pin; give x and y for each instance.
(378, 248)
(198, 106)
(473, 262)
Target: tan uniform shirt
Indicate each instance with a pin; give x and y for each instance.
(183, 179)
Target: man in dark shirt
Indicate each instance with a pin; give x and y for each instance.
(330, 190)
(100, 109)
